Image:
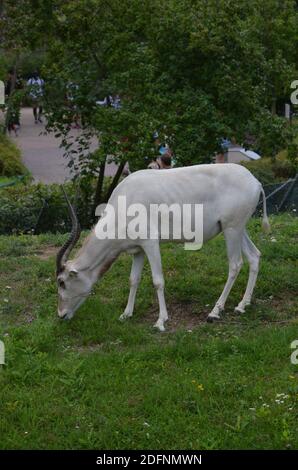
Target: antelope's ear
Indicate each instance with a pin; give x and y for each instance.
(73, 273)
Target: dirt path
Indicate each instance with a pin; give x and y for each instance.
(41, 153)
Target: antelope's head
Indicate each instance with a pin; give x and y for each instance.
(73, 286)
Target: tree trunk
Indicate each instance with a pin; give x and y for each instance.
(12, 88)
(273, 106)
(99, 188)
(115, 181)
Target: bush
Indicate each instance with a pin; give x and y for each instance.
(10, 158)
(262, 170)
(41, 208)
(272, 133)
(283, 169)
(271, 171)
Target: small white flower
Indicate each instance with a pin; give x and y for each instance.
(146, 424)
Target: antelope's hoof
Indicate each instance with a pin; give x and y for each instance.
(241, 308)
(159, 325)
(124, 316)
(213, 318)
(215, 314)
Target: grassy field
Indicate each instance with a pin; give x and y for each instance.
(95, 382)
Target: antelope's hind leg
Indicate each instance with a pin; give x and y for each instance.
(233, 242)
(135, 277)
(152, 251)
(252, 255)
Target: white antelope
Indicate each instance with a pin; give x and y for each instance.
(229, 194)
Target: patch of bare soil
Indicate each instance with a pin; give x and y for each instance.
(187, 315)
(47, 252)
(181, 316)
(280, 304)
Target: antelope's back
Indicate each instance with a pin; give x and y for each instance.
(206, 184)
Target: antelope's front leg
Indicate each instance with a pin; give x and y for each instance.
(135, 277)
(153, 254)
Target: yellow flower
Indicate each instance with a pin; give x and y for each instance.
(200, 387)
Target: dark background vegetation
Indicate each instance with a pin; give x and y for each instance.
(195, 71)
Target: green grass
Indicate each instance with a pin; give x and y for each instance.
(95, 382)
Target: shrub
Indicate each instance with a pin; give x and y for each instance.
(283, 169)
(10, 158)
(262, 170)
(41, 208)
(293, 155)
(271, 171)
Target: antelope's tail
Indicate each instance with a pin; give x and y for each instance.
(265, 221)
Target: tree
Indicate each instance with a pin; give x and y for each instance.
(193, 70)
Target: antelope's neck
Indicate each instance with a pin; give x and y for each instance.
(97, 255)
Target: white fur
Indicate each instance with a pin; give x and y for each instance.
(229, 194)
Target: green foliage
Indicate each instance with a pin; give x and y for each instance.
(269, 171)
(292, 155)
(263, 170)
(97, 383)
(29, 61)
(25, 208)
(284, 169)
(10, 158)
(4, 65)
(194, 71)
(13, 107)
(273, 133)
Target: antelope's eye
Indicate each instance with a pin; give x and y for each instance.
(61, 284)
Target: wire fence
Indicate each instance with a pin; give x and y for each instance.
(282, 197)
